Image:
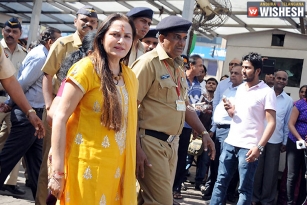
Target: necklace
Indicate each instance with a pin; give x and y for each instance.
(118, 76)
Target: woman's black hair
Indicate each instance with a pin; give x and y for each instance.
(87, 45)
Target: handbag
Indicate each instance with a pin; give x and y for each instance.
(196, 146)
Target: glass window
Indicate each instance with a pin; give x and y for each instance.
(292, 66)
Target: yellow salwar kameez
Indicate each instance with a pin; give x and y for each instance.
(100, 163)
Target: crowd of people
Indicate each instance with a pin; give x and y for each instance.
(106, 116)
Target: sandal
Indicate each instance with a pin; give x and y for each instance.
(177, 195)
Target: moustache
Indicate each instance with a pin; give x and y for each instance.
(85, 26)
(10, 37)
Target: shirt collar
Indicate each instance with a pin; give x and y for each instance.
(18, 47)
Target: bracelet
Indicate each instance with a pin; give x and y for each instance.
(29, 111)
(204, 132)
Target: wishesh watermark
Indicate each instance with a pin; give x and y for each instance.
(276, 9)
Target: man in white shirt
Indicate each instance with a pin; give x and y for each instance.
(254, 102)
(221, 121)
(224, 84)
(265, 186)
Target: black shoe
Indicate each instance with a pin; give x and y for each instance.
(206, 193)
(13, 189)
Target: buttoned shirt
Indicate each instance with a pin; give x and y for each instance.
(220, 115)
(220, 89)
(247, 124)
(135, 53)
(59, 50)
(30, 76)
(284, 106)
(16, 57)
(157, 91)
(6, 66)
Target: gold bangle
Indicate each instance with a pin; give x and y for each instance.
(204, 132)
(29, 111)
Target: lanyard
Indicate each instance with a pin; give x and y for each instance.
(178, 85)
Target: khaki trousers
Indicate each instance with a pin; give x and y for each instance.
(5, 124)
(42, 189)
(157, 184)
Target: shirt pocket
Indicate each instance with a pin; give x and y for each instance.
(167, 91)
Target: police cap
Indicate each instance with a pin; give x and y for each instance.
(140, 12)
(13, 23)
(87, 11)
(152, 33)
(173, 24)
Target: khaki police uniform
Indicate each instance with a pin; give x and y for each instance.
(158, 113)
(59, 50)
(136, 52)
(16, 57)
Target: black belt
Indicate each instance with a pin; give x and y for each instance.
(159, 135)
(39, 109)
(2, 93)
(225, 126)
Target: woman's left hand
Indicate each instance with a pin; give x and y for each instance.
(56, 185)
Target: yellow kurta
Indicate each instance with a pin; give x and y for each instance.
(100, 164)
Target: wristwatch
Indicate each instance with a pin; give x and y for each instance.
(260, 147)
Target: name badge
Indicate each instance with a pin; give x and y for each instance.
(165, 76)
(180, 104)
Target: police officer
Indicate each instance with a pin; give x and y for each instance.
(11, 33)
(86, 20)
(141, 17)
(150, 41)
(163, 108)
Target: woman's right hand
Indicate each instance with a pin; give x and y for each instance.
(56, 184)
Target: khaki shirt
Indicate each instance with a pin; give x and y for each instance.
(6, 67)
(136, 53)
(16, 56)
(157, 94)
(59, 50)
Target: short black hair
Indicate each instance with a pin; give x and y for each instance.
(255, 59)
(212, 79)
(193, 58)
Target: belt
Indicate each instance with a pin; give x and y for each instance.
(2, 93)
(159, 135)
(39, 109)
(225, 126)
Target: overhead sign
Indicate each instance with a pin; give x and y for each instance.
(210, 53)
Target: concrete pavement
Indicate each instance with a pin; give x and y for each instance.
(190, 196)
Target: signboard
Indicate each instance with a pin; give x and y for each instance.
(210, 53)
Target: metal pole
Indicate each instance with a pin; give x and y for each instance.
(187, 13)
(34, 24)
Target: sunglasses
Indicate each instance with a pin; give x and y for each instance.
(234, 64)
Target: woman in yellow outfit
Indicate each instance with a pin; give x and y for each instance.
(94, 126)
